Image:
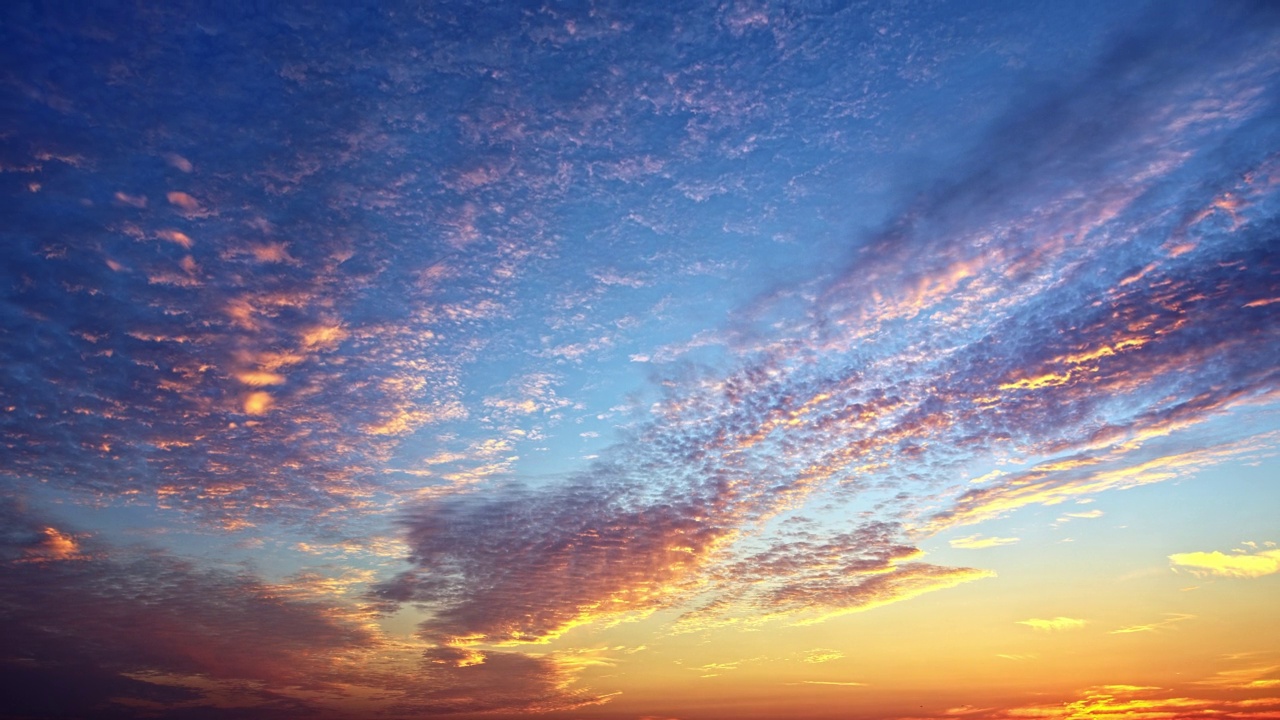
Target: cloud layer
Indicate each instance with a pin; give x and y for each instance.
(760, 326)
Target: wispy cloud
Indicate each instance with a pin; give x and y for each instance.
(1130, 701)
(821, 655)
(1170, 620)
(978, 542)
(1054, 624)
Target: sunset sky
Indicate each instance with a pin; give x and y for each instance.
(777, 360)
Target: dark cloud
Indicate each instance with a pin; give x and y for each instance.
(461, 681)
(525, 566)
(112, 615)
(35, 690)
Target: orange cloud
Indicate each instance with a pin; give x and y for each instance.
(184, 201)
(54, 545)
(259, 378)
(1134, 702)
(258, 403)
(323, 336)
(174, 236)
(408, 419)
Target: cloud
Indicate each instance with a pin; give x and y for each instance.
(1239, 565)
(38, 690)
(118, 615)
(1088, 288)
(1124, 465)
(183, 201)
(810, 579)
(1054, 624)
(1139, 701)
(1170, 620)
(1001, 311)
(1253, 677)
(458, 681)
(141, 624)
(977, 542)
(821, 655)
(524, 567)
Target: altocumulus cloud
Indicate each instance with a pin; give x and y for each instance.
(1003, 310)
(1084, 289)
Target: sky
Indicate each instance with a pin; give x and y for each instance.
(801, 359)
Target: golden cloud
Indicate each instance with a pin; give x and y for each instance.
(1054, 624)
(977, 542)
(1233, 566)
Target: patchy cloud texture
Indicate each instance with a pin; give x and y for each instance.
(413, 360)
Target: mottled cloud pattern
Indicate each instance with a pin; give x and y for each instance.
(356, 296)
(1077, 296)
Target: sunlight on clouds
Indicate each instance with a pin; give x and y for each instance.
(1254, 677)
(259, 378)
(1054, 624)
(1141, 702)
(408, 419)
(1170, 620)
(183, 201)
(175, 237)
(1117, 468)
(1240, 565)
(821, 655)
(977, 542)
(323, 336)
(258, 403)
(54, 545)
(790, 314)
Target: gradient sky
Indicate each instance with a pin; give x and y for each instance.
(640, 361)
